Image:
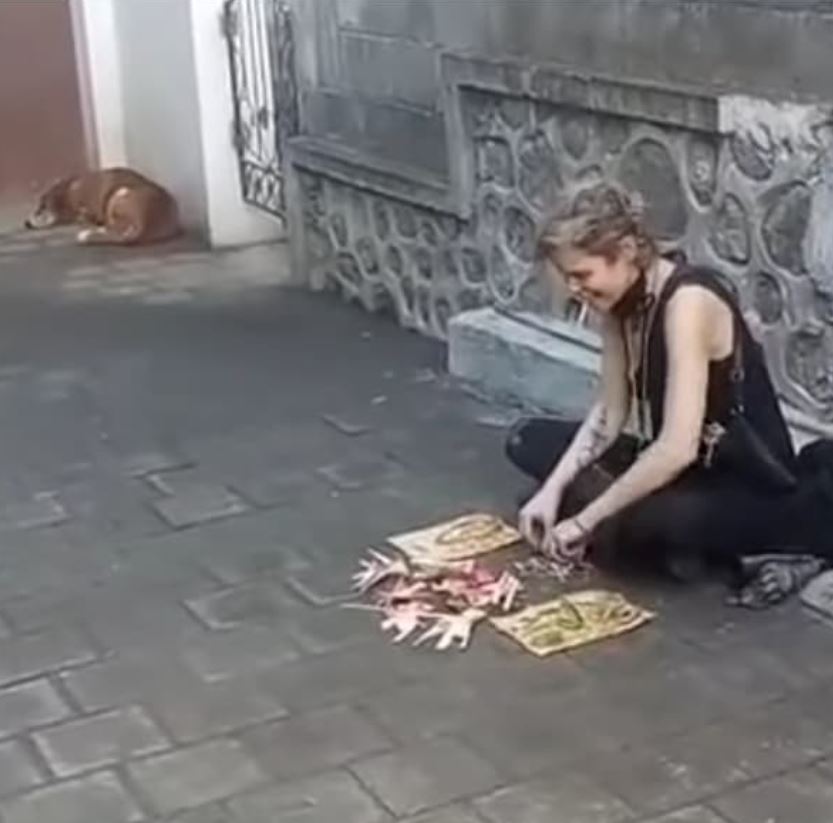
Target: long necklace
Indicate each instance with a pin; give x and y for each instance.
(647, 315)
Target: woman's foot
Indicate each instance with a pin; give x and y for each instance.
(773, 578)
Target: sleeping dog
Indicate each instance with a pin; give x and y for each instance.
(114, 206)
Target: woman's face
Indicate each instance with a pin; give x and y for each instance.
(595, 279)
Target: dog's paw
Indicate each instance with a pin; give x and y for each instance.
(86, 235)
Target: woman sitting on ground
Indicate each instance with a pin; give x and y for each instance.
(705, 478)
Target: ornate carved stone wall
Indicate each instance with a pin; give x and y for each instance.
(734, 182)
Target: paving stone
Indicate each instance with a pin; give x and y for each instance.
(122, 680)
(255, 604)
(213, 813)
(28, 706)
(359, 474)
(565, 796)
(201, 504)
(424, 710)
(237, 653)
(211, 709)
(327, 680)
(196, 776)
(320, 588)
(141, 464)
(352, 428)
(695, 814)
(99, 797)
(17, 769)
(804, 796)
(672, 773)
(315, 742)
(26, 656)
(91, 742)
(326, 630)
(43, 510)
(426, 775)
(328, 798)
(270, 487)
(451, 814)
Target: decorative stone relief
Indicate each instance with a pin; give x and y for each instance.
(701, 165)
(785, 224)
(539, 177)
(768, 298)
(754, 201)
(730, 231)
(647, 167)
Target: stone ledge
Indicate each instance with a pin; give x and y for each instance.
(545, 365)
(527, 359)
(364, 171)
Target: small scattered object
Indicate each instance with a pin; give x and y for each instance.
(379, 400)
(547, 567)
(458, 539)
(425, 376)
(572, 620)
(447, 600)
(451, 629)
(378, 567)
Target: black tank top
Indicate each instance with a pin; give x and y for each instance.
(761, 407)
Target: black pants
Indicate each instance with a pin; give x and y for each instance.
(714, 519)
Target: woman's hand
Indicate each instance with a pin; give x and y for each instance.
(566, 541)
(538, 516)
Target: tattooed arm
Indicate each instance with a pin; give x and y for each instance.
(606, 418)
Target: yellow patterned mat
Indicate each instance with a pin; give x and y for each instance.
(572, 620)
(458, 539)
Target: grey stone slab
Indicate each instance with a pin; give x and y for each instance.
(346, 425)
(695, 814)
(315, 742)
(271, 487)
(27, 656)
(426, 775)
(804, 796)
(422, 710)
(327, 680)
(213, 813)
(141, 464)
(368, 62)
(451, 814)
(17, 769)
(320, 587)
(322, 631)
(43, 510)
(30, 705)
(562, 796)
(260, 603)
(196, 776)
(198, 505)
(360, 474)
(331, 797)
(675, 772)
(211, 709)
(100, 796)
(92, 742)
(555, 369)
(123, 680)
(225, 655)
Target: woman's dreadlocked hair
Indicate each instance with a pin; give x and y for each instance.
(595, 218)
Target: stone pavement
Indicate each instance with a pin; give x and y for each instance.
(194, 457)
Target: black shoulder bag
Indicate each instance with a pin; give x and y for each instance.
(737, 447)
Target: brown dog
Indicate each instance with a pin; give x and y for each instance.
(116, 206)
